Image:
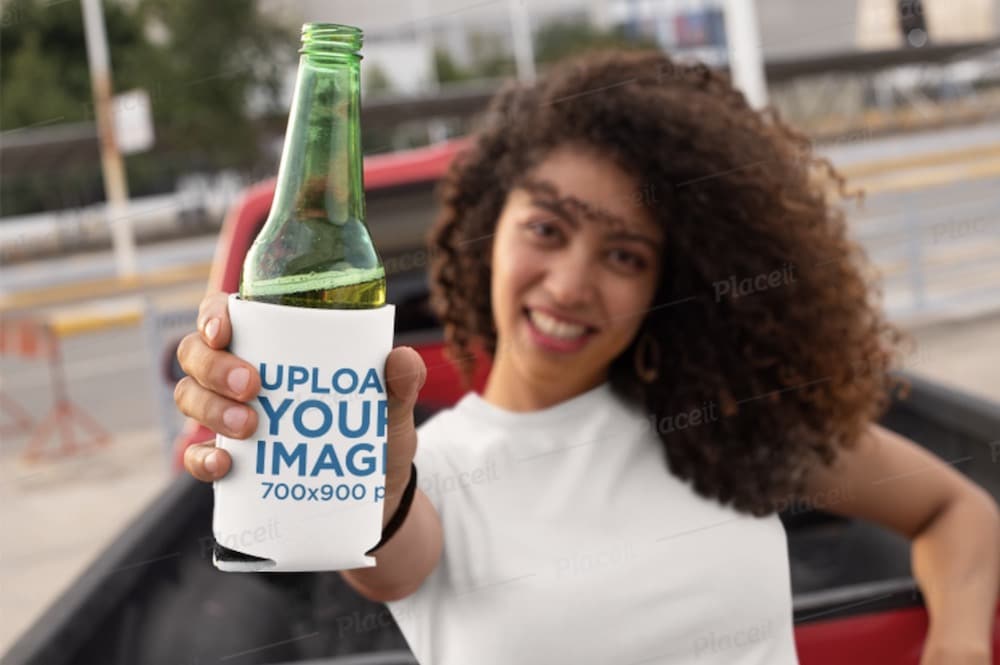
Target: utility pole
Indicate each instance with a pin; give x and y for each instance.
(746, 59)
(437, 130)
(425, 37)
(524, 50)
(115, 186)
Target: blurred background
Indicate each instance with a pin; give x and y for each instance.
(128, 129)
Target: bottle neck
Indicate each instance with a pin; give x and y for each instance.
(320, 175)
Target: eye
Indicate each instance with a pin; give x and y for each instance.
(542, 229)
(628, 259)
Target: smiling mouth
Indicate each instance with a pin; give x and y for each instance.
(557, 329)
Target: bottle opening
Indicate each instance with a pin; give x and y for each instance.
(330, 38)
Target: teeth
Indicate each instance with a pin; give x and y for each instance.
(554, 327)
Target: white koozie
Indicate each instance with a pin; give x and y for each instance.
(305, 492)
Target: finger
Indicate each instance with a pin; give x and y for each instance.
(218, 371)
(205, 462)
(405, 373)
(218, 413)
(213, 320)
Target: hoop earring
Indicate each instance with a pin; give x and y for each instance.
(647, 370)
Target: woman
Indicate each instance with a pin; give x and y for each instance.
(682, 343)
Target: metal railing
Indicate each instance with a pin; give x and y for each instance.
(939, 261)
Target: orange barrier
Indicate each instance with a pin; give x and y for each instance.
(29, 338)
(19, 421)
(24, 339)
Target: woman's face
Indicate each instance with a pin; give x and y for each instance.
(569, 289)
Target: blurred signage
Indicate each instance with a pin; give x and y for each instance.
(704, 27)
(133, 122)
(688, 29)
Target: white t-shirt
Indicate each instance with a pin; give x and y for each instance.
(567, 540)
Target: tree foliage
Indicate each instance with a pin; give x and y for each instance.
(491, 52)
(490, 59)
(209, 63)
(560, 39)
(210, 69)
(44, 60)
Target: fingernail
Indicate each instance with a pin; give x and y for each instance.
(212, 329)
(238, 379)
(212, 462)
(235, 417)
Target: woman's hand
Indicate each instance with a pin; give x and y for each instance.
(216, 388)
(218, 385)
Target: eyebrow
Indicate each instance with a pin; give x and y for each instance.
(559, 207)
(636, 237)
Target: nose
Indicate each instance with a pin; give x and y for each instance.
(570, 278)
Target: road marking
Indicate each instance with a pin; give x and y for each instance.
(922, 178)
(97, 288)
(907, 163)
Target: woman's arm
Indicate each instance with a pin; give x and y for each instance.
(406, 559)
(954, 526)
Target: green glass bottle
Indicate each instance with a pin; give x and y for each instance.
(314, 249)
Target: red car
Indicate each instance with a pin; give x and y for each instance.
(154, 596)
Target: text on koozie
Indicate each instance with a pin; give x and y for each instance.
(320, 426)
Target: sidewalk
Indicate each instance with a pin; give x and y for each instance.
(961, 353)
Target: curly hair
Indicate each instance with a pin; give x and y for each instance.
(792, 372)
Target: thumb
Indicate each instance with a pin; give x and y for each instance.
(405, 373)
